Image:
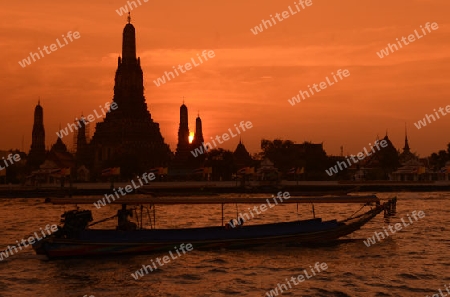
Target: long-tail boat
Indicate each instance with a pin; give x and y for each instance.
(74, 238)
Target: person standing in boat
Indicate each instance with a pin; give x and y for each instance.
(122, 219)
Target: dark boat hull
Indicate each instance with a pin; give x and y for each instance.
(92, 242)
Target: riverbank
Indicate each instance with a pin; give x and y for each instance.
(211, 188)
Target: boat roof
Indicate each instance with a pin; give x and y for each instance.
(146, 199)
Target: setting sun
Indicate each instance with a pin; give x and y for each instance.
(191, 137)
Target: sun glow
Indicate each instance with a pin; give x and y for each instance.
(191, 137)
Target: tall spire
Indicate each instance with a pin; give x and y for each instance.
(129, 17)
(129, 43)
(183, 131)
(198, 135)
(406, 148)
(182, 154)
(37, 151)
(129, 80)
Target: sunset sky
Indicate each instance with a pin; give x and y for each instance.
(251, 76)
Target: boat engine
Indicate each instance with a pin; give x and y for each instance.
(74, 221)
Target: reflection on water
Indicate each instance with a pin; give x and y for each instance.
(412, 262)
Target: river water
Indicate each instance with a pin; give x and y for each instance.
(414, 261)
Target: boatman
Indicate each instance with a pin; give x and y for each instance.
(122, 217)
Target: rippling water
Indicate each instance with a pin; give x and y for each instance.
(413, 262)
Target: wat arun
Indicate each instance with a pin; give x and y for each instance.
(128, 137)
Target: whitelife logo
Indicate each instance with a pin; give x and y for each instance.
(205, 147)
(441, 294)
(27, 61)
(323, 85)
(423, 123)
(162, 80)
(124, 9)
(380, 235)
(11, 158)
(128, 189)
(90, 118)
(263, 207)
(285, 14)
(184, 248)
(411, 38)
(360, 156)
(31, 240)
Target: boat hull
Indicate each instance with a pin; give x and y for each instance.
(96, 242)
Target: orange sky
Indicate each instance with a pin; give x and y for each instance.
(251, 77)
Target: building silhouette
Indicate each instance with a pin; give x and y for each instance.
(184, 161)
(86, 129)
(59, 156)
(198, 135)
(383, 161)
(37, 152)
(59, 146)
(128, 137)
(407, 155)
(183, 146)
(241, 156)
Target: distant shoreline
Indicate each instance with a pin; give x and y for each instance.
(213, 188)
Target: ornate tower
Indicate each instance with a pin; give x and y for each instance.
(37, 152)
(128, 137)
(183, 130)
(129, 80)
(198, 136)
(182, 160)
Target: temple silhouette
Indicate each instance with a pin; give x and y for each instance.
(130, 139)
(127, 137)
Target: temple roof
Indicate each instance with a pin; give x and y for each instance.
(242, 156)
(59, 146)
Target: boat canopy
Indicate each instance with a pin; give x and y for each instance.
(146, 199)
